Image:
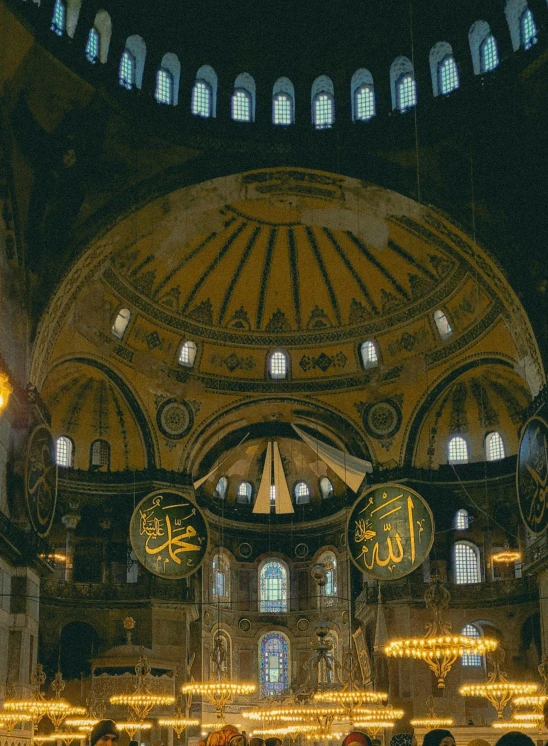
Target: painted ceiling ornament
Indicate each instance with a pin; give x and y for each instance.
(390, 531)
(41, 480)
(382, 419)
(174, 418)
(169, 534)
(532, 475)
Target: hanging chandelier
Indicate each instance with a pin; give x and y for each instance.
(85, 724)
(498, 690)
(132, 727)
(512, 725)
(10, 719)
(55, 709)
(439, 648)
(431, 721)
(178, 724)
(220, 691)
(374, 727)
(142, 700)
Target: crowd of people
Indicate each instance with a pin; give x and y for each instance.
(106, 733)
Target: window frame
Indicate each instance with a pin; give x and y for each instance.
(329, 97)
(490, 38)
(464, 566)
(99, 442)
(330, 492)
(97, 35)
(220, 566)
(248, 493)
(399, 85)
(278, 605)
(276, 97)
(119, 313)
(458, 460)
(209, 89)
(249, 98)
(304, 498)
(221, 493)
(129, 85)
(439, 316)
(189, 344)
(363, 87)
(448, 58)
(489, 438)
(527, 18)
(472, 660)
(70, 451)
(285, 674)
(59, 18)
(369, 363)
(273, 376)
(170, 84)
(462, 515)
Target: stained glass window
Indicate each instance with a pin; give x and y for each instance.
(274, 664)
(471, 659)
(164, 86)
(241, 106)
(126, 73)
(324, 115)
(282, 109)
(528, 29)
(407, 92)
(364, 104)
(220, 581)
(273, 587)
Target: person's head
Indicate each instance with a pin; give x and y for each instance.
(273, 742)
(515, 738)
(438, 737)
(357, 738)
(402, 739)
(104, 733)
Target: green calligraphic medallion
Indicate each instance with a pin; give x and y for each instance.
(169, 534)
(41, 480)
(532, 475)
(390, 531)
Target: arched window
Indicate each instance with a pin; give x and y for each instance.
(132, 63)
(187, 353)
(204, 93)
(278, 367)
(329, 561)
(326, 488)
(458, 450)
(462, 520)
(92, 46)
(244, 493)
(103, 26)
(221, 656)
(126, 73)
(221, 488)
(528, 29)
(120, 322)
(494, 447)
(326, 668)
(64, 451)
(523, 29)
(283, 102)
(273, 587)
(369, 354)
(323, 103)
(443, 68)
(274, 664)
(59, 18)
(167, 80)
(243, 99)
(442, 324)
(466, 563)
(100, 454)
(471, 659)
(362, 94)
(483, 48)
(402, 84)
(302, 493)
(489, 56)
(272, 495)
(220, 578)
(164, 87)
(448, 75)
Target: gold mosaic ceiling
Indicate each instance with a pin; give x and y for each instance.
(274, 266)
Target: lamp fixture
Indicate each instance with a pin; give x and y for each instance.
(6, 390)
(498, 690)
(439, 648)
(178, 724)
(141, 701)
(131, 727)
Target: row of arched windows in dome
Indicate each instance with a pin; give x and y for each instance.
(99, 453)
(458, 452)
(203, 103)
(273, 582)
(302, 491)
(278, 361)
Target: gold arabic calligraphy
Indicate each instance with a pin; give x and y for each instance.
(403, 529)
(157, 525)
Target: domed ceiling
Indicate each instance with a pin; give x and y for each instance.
(311, 262)
(283, 265)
